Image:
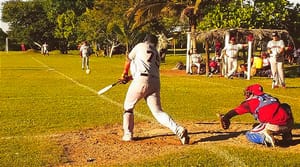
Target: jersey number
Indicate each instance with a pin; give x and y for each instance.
(152, 55)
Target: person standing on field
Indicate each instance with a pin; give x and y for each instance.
(143, 62)
(276, 50)
(231, 55)
(84, 52)
(45, 49)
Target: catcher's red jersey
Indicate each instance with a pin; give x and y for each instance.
(265, 114)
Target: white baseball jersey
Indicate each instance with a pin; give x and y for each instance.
(196, 58)
(45, 47)
(84, 50)
(144, 60)
(275, 47)
(233, 49)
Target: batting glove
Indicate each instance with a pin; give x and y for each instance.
(125, 79)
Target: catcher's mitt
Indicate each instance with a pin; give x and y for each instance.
(225, 123)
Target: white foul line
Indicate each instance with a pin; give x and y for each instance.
(89, 88)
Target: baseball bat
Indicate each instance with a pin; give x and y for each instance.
(107, 88)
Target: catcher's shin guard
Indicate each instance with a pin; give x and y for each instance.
(255, 138)
(260, 138)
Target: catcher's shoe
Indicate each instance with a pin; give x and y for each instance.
(269, 138)
(127, 137)
(182, 133)
(287, 137)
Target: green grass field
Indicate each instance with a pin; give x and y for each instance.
(41, 96)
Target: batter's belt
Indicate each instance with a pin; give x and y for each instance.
(148, 75)
(144, 74)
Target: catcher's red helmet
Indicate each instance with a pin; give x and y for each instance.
(255, 89)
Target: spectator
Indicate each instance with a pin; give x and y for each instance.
(275, 118)
(231, 55)
(242, 71)
(297, 56)
(218, 48)
(276, 50)
(23, 48)
(196, 61)
(213, 67)
(266, 66)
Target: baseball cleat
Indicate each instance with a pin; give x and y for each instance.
(269, 139)
(182, 133)
(287, 137)
(127, 137)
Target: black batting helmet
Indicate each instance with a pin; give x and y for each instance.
(151, 38)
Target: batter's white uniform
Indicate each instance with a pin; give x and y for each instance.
(231, 57)
(144, 66)
(276, 61)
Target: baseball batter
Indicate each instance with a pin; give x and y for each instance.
(231, 55)
(276, 51)
(143, 62)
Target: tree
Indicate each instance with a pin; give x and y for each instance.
(155, 12)
(106, 24)
(65, 29)
(61, 9)
(27, 20)
(3, 36)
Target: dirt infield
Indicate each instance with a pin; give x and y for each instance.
(102, 146)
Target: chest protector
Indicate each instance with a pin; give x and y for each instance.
(264, 100)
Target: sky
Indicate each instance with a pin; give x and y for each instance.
(4, 26)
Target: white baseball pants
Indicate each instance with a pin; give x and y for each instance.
(277, 71)
(146, 87)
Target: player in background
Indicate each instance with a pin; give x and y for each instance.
(274, 118)
(276, 50)
(45, 50)
(231, 55)
(84, 52)
(143, 62)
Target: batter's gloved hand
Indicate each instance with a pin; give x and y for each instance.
(125, 79)
(225, 123)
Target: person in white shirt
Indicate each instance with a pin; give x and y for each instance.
(45, 49)
(196, 60)
(276, 50)
(231, 55)
(84, 52)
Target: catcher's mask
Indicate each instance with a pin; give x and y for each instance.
(255, 89)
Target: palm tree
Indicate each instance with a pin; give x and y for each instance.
(146, 11)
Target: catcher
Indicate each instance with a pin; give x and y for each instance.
(274, 118)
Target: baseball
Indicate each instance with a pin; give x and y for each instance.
(88, 71)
